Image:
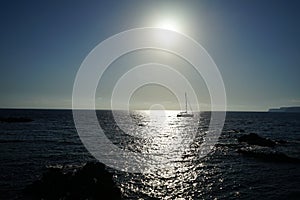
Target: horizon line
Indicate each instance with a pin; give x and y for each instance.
(107, 109)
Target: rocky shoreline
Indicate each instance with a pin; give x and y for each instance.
(91, 181)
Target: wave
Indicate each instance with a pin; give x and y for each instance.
(64, 142)
(266, 154)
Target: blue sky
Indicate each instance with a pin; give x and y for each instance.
(255, 44)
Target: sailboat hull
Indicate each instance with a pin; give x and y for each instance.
(185, 115)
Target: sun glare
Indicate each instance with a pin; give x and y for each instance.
(168, 24)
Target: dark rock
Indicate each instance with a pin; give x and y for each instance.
(15, 119)
(268, 156)
(254, 139)
(92, 181)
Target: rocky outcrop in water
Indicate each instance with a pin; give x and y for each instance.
(260, 149)
(92, 181)
(15, 119)
(254, 139)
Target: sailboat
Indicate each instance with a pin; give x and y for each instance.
(185, 113)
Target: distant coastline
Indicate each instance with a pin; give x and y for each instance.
(285, 110)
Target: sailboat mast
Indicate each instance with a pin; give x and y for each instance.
(185, 102)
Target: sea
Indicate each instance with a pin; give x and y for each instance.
(27, 149)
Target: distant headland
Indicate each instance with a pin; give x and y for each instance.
(286, 109)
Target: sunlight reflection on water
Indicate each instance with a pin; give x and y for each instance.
(166, 137)
(170, 140)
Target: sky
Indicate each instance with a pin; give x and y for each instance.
(255, 44)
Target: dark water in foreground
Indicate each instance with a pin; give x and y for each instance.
(51, 139)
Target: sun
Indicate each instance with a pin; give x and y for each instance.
(168, 24)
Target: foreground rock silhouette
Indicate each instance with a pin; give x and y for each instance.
(254, 139)
(92, 181)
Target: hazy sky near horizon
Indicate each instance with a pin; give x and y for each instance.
(255, 44)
